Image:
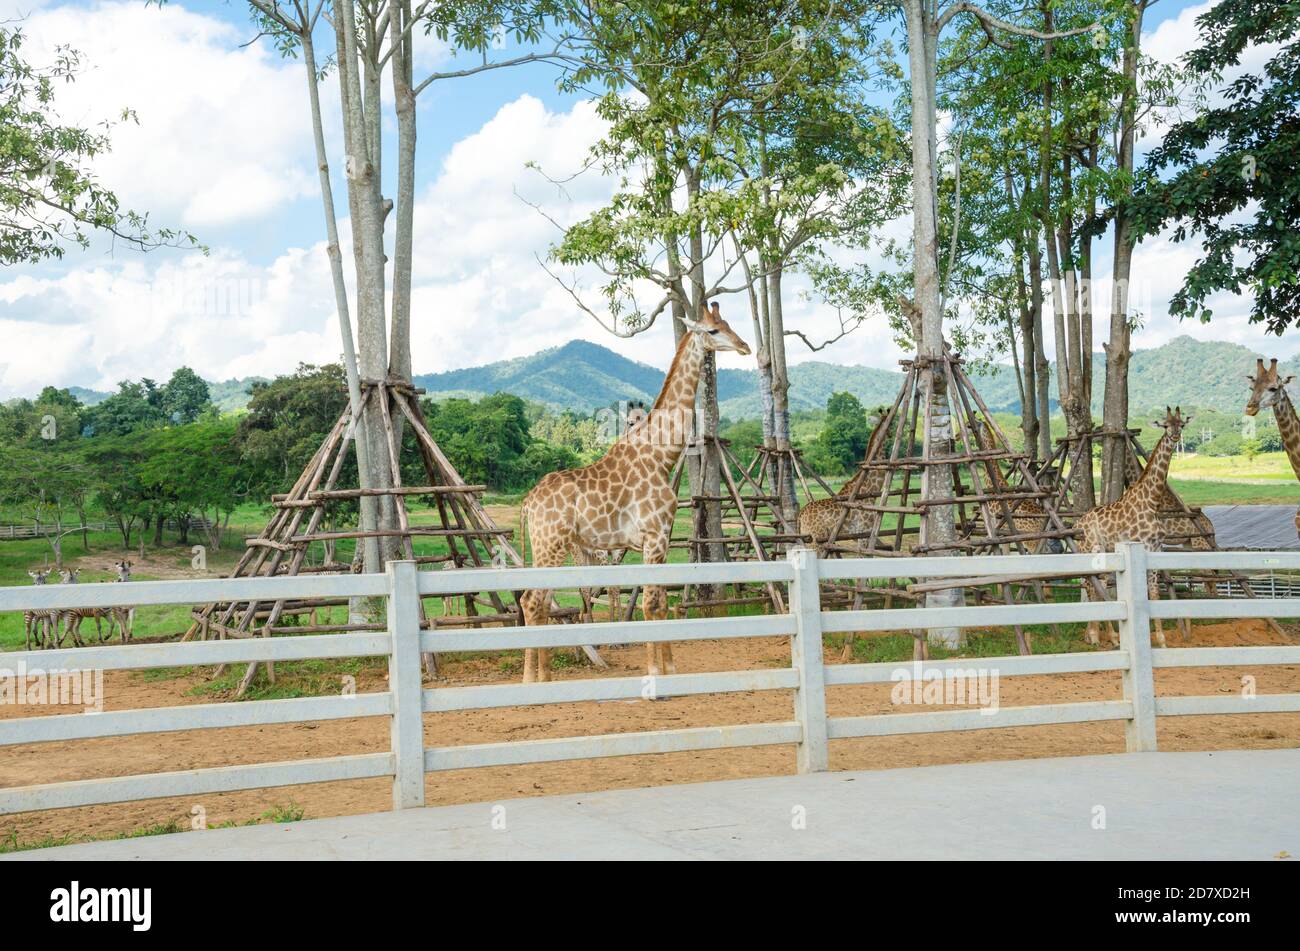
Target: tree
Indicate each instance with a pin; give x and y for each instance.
(843, 439)
(195, 468)
(135, 406)
(1228, 174)
(184, 396)
(369, 39)
(287, 420)
(925, 22)
(48, 198)
(47, 484)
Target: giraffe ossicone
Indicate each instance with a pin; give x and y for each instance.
(624, 500)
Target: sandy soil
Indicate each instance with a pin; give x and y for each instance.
(55, 762)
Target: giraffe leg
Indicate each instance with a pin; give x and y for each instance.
(536, 606)
(659, 657)
(1153, 592)
(1093, 635)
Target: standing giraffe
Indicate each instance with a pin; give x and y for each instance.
(624, 499)
(1195, 526)
(1135, 515)
(1267, 390)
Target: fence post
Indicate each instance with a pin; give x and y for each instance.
(1135, 638)
(404, 684)
(806, 658)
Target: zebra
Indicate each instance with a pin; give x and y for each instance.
(122, 615)
(72, 617)
(39, 624)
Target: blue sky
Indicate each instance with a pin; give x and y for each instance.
(222, 148)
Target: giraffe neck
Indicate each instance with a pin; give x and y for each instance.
(1150, 488)
(1289, 428)
(667, 428)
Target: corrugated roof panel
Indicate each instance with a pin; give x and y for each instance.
(1263, 527)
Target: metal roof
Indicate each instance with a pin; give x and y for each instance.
(1261, 527)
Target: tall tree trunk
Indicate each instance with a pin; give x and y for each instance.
(783, 480)
(1029, 421)
(939, 527)
(1042, 368)
(1118, 347)
(361, 138)
(707, 400)
(789, 498)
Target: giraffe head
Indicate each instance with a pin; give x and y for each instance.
(714, 332)
(38, 577)
(1173, 422)
(1265, 387)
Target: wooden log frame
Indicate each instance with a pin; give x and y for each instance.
(473, 539)
(750, 502)
(989, 483)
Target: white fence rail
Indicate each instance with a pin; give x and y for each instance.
(809, 729)
(35, 531)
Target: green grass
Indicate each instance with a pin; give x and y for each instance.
(1195, 492)
(1266, 466)
(282, 813)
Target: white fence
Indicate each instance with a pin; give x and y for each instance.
(33, 531)
(809, 728)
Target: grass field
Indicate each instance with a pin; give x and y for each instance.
(1265, 467)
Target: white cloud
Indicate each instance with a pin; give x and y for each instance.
(223, 140)
(221, 132)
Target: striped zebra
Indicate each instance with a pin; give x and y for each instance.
(72, 617)
(39, 624)
(122, 615)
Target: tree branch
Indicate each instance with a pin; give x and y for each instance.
(989, 21)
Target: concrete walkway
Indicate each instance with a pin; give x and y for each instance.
(1227, 805)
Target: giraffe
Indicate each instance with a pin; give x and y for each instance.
(817, 519)
(624, 499)
(1134, 516)
(38, 625)
(1195, 526)
(1267, 390)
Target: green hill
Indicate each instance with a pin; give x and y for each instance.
(579, 375)
(584, 376)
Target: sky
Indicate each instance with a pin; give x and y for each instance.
(221, 147)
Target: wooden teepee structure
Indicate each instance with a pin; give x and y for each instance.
(755, 526)
(300, 521)
(1000, 507)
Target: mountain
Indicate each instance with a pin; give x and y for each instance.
(579, 375)
(584, 376)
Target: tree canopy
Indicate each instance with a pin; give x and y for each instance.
(1230, 173)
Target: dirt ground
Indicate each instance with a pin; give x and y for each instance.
(56, 762)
